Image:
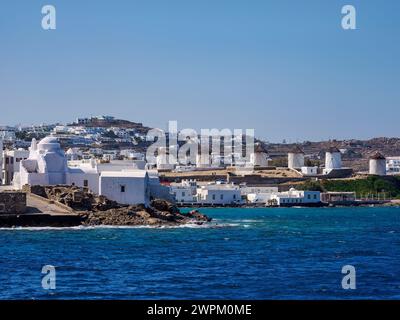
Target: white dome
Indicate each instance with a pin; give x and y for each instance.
(49, 143)
(49, 140)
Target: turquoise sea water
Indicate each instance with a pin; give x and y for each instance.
(282, 253)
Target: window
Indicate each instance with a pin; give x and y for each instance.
(7, 160)
(234, 196)
(309, 196)
(183, 194)
(122, 189)
(213, 196)
(221, 197)
(85, 183)
(315, 196)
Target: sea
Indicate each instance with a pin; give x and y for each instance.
(252, 253)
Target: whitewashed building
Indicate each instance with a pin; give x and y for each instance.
(295, 197)
(393, 165)
(117, 180)
(11, 164)
(219, 194)
(259, 198)
(184, 192)
(125, 187)
(309, 171)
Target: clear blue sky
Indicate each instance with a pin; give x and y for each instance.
(285, 68)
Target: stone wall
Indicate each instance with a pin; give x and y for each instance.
(12, 202)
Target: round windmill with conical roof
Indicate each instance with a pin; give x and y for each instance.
(377, 164)
(295, 158)
(259, 158)
(333, 158)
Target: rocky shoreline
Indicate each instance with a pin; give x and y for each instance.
(161, 213)
(93, 210)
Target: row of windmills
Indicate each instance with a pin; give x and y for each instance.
(333, 161)
(296, 161)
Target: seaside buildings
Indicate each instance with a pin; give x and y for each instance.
(295, 197)
(213, 194)
(219, 194)
(292, 197)
(184, 192)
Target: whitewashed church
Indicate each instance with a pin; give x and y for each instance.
(47, 165)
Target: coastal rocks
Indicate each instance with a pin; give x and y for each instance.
(195, 214)
(163, 205)
(96, 210)
(136, 216)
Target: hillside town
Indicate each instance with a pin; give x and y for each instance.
(107, 157)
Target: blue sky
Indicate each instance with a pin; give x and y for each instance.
(284, 68)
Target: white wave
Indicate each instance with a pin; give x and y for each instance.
(80, 228)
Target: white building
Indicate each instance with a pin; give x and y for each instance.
(259, 158)
(11, 161)
(333, 160)
(309, 171)
(219, 194)
(295, 197)
(261, 198)
(119, 181)
(296, 158)
(125, 187)
(393, 165)
(184, 192)
(377, 164)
